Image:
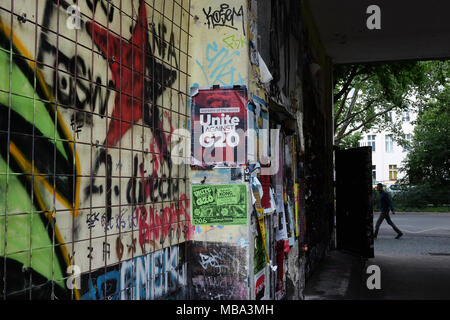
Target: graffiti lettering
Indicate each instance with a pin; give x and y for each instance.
(107, 8)
(90, 249)
(219, 69)
(151, 276)
(160, 42)
(106, 250)
(107, 223)
(234, 43)
(121, 222)
(218, 271)
(217, 259)
(71, 91)
(211, 260)
(159, 225)
(219, 288)
(224, 17)
(91, 218)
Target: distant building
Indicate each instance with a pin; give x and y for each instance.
(387, 155)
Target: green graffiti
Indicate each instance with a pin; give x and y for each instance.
(25, 101)
(31, 139)
(23, 221)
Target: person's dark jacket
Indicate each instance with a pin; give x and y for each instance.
(384, 203)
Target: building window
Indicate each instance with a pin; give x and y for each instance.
(405, 116)
(408, 137)
(392, 172)
(389, 115)
(374, 173)
(371, 141)
(389, 144)
(407, 141)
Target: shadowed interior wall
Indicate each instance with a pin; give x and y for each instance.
(95, 175)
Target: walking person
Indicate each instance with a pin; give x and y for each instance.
(385, 205)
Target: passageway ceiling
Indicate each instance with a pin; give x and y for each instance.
(410, 30)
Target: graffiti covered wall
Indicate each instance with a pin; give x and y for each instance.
(147, 277)
(90, 97)
(221, 58)
(219, 251)
(218, 271)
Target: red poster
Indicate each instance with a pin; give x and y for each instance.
(265, 182)
(218, 127)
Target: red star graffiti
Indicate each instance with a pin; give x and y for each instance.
(126, 59)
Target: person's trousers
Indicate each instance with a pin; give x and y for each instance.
(385, 215)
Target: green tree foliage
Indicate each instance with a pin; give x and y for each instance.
(351, 141)
(365, 95)
(427, 164)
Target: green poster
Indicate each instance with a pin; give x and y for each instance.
(259, 261)
(219, 204)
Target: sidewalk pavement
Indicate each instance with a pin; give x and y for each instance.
(437, 213)
(338, 277)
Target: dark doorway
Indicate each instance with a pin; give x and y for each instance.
(354, 211)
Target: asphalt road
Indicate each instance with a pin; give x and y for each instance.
(416, 266)
(424, 234)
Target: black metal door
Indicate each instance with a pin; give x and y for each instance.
(354, 211)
